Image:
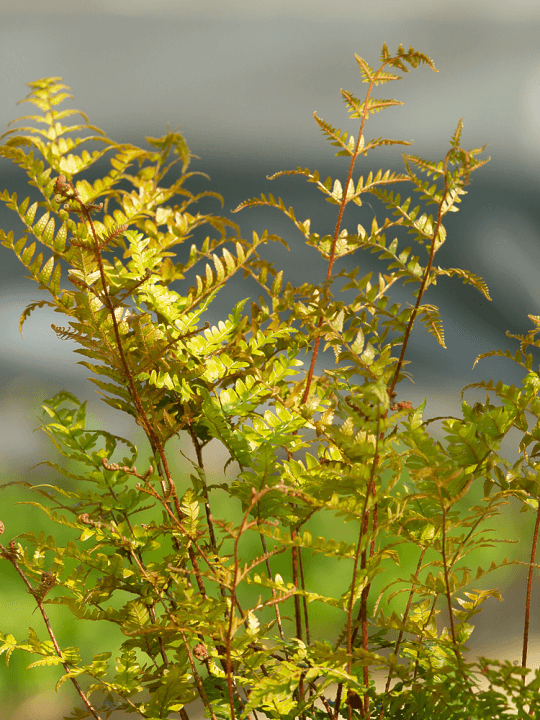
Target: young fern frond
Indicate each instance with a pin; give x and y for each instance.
(45, 95)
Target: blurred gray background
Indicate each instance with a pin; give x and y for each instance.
(241, 80)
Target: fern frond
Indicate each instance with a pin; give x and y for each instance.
(65, 334)
(271, 201)
(358, 108)
(422, 225)
(411, 56)
(378, 142)
(47, 274)
(432, 321)
(516, 357)
(336, 137)
(29, 309)
(46, 93)
(430, 168)
(369, 75)
(467, 277)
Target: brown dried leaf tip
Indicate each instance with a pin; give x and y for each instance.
(200, 651)
(61, 185)
(406, 405)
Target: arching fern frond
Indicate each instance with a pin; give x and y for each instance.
(466, 275)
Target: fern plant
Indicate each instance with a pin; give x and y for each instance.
(223, 610)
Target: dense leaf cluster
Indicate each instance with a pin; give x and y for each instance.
(203, 618)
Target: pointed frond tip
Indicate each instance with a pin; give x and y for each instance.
(29, 309)
(254, 202)
(402, 56)
(46, 93)
(466, 276)
(46, 83)
(516, 357)
(411, 56)
(432, 321)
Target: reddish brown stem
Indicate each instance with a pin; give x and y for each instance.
(9, 556)
(529, 587)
